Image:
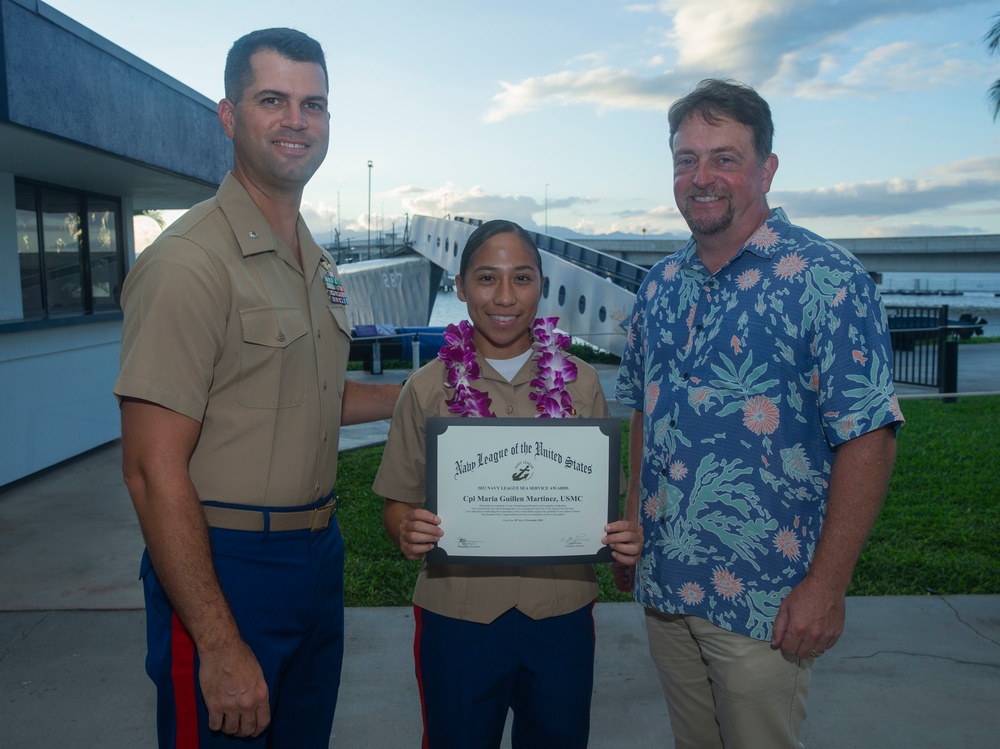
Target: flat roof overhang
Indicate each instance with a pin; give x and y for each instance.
(78, 111)
(55, 161)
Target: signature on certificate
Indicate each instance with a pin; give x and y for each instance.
(575, 542)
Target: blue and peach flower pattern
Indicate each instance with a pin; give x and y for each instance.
(748, 380)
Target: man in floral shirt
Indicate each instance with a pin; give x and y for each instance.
(758, 362)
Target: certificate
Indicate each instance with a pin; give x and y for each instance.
(522, 491)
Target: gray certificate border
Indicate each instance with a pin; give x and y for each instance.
(438, 425)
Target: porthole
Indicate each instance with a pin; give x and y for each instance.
(582, 304)
(545, 289)
(602, 314)
(562, 295)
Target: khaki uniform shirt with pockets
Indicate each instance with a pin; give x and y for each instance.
(223, 326)
(475, 593)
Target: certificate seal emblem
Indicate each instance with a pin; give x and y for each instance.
(522, 471)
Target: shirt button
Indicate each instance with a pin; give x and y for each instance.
(685, 376)
(509, 409)
(325, 436)
(319, 333)
(281, 336)
(324, 384)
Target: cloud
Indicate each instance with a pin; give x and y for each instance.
(605, 87)
(809, 48)
(960, 183)
(145, 229)
(918, 230)
(899, 66)
(659, 221)
(476, 202)
(961, 190)
(528, 211)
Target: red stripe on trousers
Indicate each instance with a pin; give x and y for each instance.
(419, 622)
(182, 673)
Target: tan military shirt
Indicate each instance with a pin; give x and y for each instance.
(223, 326)
(473, 593)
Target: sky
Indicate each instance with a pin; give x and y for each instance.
(552, 113)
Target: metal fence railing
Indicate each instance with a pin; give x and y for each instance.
(924, 347)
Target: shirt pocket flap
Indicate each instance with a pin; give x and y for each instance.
(340, 317)
(272, 326)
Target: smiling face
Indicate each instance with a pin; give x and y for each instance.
(280, 126)
(720, 185)
(501, 287)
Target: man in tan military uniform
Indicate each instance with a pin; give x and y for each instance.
(233, 390)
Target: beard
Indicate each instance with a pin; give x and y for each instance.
(700, 227)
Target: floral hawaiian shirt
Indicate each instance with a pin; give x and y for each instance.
(748, 380)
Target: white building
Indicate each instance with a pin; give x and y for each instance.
(88, 134)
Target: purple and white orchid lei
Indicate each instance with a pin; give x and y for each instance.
(555, 371)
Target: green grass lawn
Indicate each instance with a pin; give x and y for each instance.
(938, 532)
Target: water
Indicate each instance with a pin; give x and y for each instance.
(964, 293)
(975, 283)
(447, 309)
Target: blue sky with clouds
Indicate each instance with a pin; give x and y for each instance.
(483, 109)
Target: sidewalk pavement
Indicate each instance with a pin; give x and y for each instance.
(909, 671)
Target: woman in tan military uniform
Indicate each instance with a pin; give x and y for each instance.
(489, 639)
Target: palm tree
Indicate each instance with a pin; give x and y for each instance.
(157, 216)
(992, 40)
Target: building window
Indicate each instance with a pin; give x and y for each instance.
(105, 256)
(70, 251)
(28, 255)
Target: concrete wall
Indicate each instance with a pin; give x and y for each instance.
(56, 399)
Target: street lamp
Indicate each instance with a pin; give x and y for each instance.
(546, 207)
(368, 218)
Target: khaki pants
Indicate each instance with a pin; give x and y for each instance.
(725, 689)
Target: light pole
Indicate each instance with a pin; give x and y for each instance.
(368, 218)
(546, 207)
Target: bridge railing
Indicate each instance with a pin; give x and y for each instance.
(627, 275)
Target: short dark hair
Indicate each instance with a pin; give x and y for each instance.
(715, 99)
(289, 43)
(489, 230)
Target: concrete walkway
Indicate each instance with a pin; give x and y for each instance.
(908, 672)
